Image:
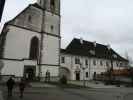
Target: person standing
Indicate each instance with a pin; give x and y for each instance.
(10, 84)
(47, 78)
(22, 86)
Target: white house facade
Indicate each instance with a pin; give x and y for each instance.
(81, 59)
(30, 43)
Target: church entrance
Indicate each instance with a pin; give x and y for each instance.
(29, 72)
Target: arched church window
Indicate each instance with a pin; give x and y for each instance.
(52, 4)
(34, 48)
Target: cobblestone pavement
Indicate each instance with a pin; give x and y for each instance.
(56, 93)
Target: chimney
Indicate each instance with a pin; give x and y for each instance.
(95, 43)
(108, 46)
(81, 40)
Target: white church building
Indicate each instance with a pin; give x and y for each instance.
(30, 44)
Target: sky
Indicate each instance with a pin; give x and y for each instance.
(103, 21)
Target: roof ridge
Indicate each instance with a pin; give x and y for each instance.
(91, 42)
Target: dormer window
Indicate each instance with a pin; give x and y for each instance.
(95, 43)
(108, 46)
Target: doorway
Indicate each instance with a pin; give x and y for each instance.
(77, 76)
(29, 72)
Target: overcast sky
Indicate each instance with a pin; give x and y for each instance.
(104, 21)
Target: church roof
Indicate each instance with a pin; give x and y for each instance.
(91, 49)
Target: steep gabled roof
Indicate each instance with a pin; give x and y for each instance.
(12, 20)
(88, 49)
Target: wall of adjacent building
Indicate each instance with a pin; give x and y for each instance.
(90, 68)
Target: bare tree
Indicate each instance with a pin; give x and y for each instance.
(129, 58)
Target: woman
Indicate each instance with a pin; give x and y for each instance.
(22, 85)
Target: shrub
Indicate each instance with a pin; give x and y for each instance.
(63, 80)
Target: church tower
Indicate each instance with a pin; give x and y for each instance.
(37, 32)
(50, 37)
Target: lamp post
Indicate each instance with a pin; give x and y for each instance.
(111, 68)
(83, 68)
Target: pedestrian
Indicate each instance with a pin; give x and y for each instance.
(22, 86)
(47, 78)
(10, 84)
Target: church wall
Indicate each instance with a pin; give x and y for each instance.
(50, 50)
(12, 68)
(17, 44)
(31, 19)
(54, 71)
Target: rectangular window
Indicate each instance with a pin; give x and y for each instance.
(101, 63)
(107, 64)
(94, 62)
(62, 59)
(77, 61)
(121, 64)
(86, 62)
(117, 64)
(87, 75)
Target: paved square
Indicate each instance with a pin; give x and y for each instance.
(57, 93)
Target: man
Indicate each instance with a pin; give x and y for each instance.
(10, 84)
(22, 85)
(47, 77)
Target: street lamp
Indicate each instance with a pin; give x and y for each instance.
(83, 68)
(111, 68)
